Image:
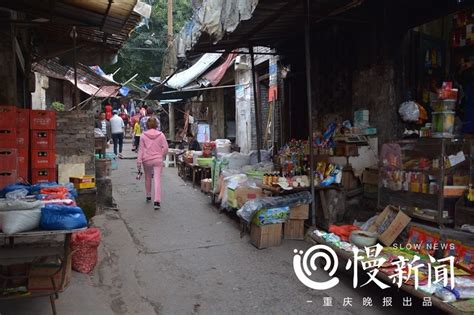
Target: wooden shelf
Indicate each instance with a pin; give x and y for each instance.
(429, 219)
(19, 255)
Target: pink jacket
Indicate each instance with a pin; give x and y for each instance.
(153, 146)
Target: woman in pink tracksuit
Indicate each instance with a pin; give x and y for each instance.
(153, 147)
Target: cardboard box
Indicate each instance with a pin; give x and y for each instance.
(266, 235)
(83, 182)
(394, 228)
(370, 189)
(243, 194)
(370, 177)
(293, 230)
(454, 191)
(460, 180)
(38, 280)
(300, 212)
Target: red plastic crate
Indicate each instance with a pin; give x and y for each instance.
(8, 137)
(43, 159)
(43, 139)
(23, 163)
(43, 175)
(43, 119)
(22, 138)
(8, 158)
(22, 118)
(7, 116)
(8, 177)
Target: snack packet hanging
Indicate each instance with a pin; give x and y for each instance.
(466, 261)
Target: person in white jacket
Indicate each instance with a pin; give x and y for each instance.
(117, 125)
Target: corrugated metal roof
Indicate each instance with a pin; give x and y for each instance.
(99, 23)
(224, 25)
(88, 81)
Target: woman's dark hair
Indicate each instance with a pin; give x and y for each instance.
(190, 134)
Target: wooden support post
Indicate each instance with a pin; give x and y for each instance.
(310, 109)
(171, 121)
(256, 102)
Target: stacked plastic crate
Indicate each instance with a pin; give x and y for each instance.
(8, 146)
(23, 143)
(43, 145)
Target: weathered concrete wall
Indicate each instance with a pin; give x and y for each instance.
(244, 113)
(68, 92)
(357, 69)
(214, 99)
(374, 88)
(38, 97)
(8, 71)
(75, 139)
(54, 91)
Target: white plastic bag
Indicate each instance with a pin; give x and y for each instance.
(16, 221)
(6, 204)
(409, 111)
(16, 194)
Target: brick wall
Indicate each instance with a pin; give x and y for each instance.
(75, 139)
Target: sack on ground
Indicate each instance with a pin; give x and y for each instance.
(84, 245)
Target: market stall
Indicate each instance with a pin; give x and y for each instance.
(414, 257)
(38, 215)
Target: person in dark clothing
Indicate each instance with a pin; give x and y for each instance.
(104, 125)
(193, 143)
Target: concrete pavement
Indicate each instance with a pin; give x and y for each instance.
(187, 258)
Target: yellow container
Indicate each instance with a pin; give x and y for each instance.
(83, 182)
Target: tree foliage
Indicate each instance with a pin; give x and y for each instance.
(143, 52)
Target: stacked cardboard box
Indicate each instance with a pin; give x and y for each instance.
(270, 235)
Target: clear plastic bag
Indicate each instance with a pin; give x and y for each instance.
(445, 295)
(17, 194)
(409, 111)
(7, 204)
(252, 206)
(13, 187)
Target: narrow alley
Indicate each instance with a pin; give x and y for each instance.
(188, 258)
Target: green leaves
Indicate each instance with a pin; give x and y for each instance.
(143, 52)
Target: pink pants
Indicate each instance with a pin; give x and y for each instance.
(153, 168)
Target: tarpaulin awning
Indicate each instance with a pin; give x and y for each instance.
(183, 78)
(161, 92)
(207, 71)
(214, 76)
